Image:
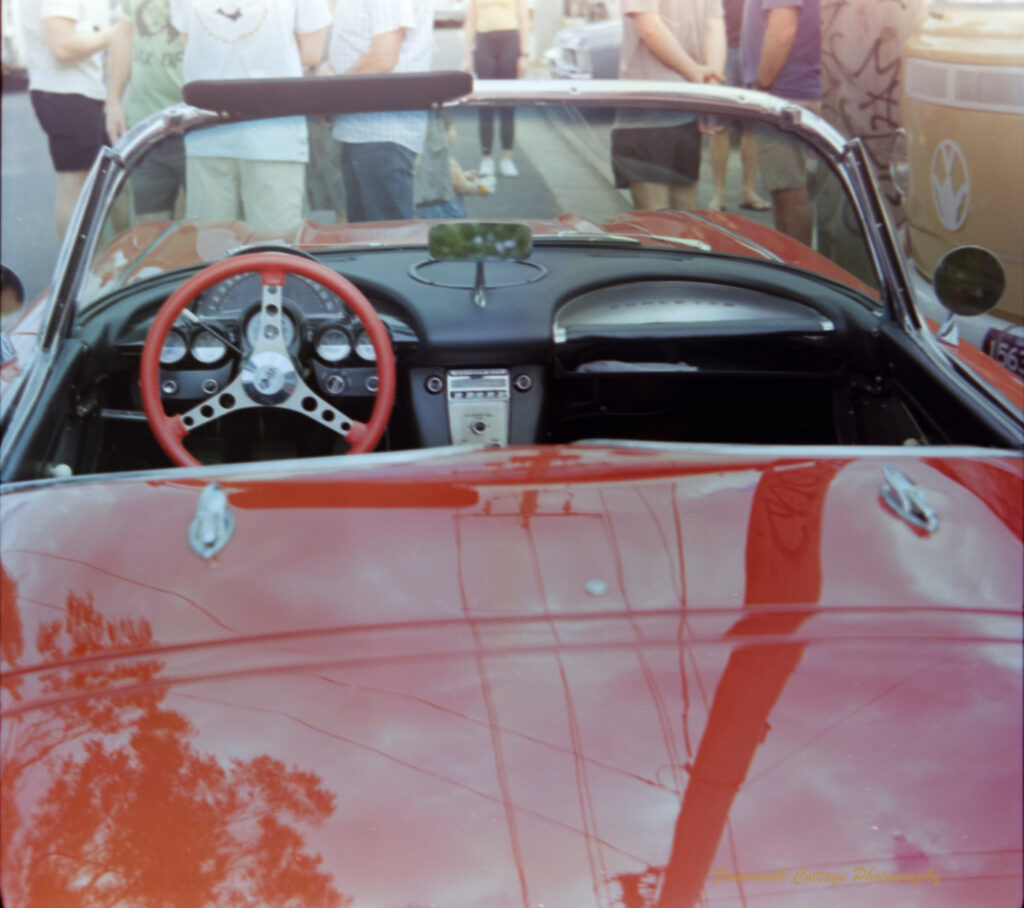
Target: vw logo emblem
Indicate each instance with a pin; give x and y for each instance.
(951, 184)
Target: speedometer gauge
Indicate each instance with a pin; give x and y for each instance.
(208, 349)
(333, 345)
(364, 348)
(252, 329)
(174, 349)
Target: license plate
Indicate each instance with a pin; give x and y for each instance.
(1006, 348)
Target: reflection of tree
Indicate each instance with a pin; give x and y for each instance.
(31, 738)
(135, 813)
(167, 825)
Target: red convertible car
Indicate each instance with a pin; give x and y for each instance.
(573, 552)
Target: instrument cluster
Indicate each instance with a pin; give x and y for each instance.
(320, 331)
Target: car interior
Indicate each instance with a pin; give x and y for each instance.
(566, 345)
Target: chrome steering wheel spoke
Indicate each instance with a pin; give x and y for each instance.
(307, 402)
(271, 331)
(228, 400)
(268, 379)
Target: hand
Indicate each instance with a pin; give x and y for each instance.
(710, 125)
(711, 76)
(467, 65)
(522, 67)
(325, 69)
(117, 124)
(469, 175)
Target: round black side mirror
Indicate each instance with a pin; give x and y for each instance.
(969, 280)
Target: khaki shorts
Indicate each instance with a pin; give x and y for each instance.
(267, 195)
(781, 158)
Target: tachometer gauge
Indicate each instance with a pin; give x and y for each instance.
(364, 348)
(208, 349)
(174, 349)
(252, 329)
(333, 345)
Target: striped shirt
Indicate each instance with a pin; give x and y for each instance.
(356, 24)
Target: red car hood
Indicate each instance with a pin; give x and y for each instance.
(156, 246)
(542, 676)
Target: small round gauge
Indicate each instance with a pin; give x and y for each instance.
(174, 349)
(333, 345)
(364, 347)
(252, 329)
(208, 349)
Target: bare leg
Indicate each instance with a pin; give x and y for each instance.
(719, 147)
(683, 198)
(791, 209)
(748, 157)
(649, 196)
(69, 187)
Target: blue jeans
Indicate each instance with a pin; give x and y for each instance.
(439, 210)
(378, 179)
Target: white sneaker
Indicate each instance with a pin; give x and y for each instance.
(507, 168)
(486, 168)
(488, 185)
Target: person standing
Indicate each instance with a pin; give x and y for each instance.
(657, 154)
(378, 150)
(781, 53)
(145, 57)
(497, 37)
(254, 170)
(720, 142)
(64, 40)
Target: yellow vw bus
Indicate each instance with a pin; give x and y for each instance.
(963, 112)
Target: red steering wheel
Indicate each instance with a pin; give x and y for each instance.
(269, 375)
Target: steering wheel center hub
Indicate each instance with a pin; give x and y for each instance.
(269, 377)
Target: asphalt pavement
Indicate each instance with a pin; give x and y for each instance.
(28, 234)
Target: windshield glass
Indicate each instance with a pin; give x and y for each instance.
(621, 176)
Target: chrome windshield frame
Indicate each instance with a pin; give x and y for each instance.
(846, 157)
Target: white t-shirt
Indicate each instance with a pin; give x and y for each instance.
(248, 39)
(245, 39)
(84, 77)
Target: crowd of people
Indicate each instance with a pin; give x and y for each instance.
(771, 45)
(397, 165)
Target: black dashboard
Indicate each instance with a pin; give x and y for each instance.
(573, 343)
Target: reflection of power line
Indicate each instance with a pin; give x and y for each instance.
(492, 719)
(121, 577)
(767, 771)
(505, 730)
(399, 761)
(664, 722)
(595, 858)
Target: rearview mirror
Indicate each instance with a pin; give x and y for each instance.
(479, 242)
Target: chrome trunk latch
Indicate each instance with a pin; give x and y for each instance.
(901, 494)
(213, 524)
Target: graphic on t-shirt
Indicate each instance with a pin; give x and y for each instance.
(231, 20)
(153, 19)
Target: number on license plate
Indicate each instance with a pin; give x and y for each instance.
(1006, 348)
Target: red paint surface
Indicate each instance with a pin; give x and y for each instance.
(549, 675)
(1008, 384)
